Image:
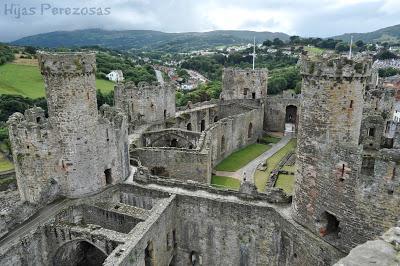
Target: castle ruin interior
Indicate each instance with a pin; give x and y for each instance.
(130, 184)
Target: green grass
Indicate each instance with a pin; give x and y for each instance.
(261, 177)
(26, 80)
(5, 164)
(240, 158)
(6, 181)
(285, 182)
(225, 181)
(270, 139)
(313, 50)
(289, 168)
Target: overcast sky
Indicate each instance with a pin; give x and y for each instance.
(301, 17)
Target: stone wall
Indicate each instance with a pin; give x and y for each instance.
(337, 194)
(275, 110)
(145, 103)
(244, 84)
(195, 162)
(198, 228)
(75, 151)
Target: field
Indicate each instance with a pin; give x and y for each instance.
(261, 177)
(5, 164)
(240, 158)
(313, 50)
(225, 181)
(26, 80)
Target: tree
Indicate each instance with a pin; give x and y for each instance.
(278, 42)
(295, 39)
(30, 50)
(386, 54)
(342, 47)
(360, 43)
(267, 43)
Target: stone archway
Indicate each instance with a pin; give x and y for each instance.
(291, 119)
(78, 253)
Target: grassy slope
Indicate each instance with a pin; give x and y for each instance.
(26, 80)
(240, 158)
(261, 177)
(225, 181)
(5, 164)
(285, 182)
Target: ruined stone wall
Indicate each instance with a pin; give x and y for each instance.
(332, 195)
(244, 84)
(209, 229)
(197, 119)
(145, 103)
(31, 250)
(180, 163)
(35, 160)
(217, 142)
(275, 110)
(171, 138)
(157, 234)
(220, 232)
(69, 152)
(377, 114)
(232, 133)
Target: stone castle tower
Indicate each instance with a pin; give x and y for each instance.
(75, 151)
(145, 103)
(244, 84)
(337, 194)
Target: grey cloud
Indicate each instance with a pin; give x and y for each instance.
(307, 18)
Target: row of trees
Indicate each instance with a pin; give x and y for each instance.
(203, 92)
(284, 79)
(6, 54)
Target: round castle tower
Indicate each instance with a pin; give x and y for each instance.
(328, 155)
(73, 116)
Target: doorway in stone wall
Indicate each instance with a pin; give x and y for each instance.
(108, 175)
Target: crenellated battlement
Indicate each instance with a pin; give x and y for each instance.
(67, 64)
(334, 66)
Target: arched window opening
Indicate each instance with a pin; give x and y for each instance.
(223, 144)
(189, 126)
(250, 131)
(79, 253)
(202, 125)
(174, 143)
(330, 225)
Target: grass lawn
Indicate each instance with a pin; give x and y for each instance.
(285, 182)
(261, 177)
(240, 158)
(5, 164)
(225, 181)
(289, 168)
(313, 50)
(270, 139)
(26, 80)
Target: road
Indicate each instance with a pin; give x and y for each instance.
(251, 167)
(159, 76)
(40, 217)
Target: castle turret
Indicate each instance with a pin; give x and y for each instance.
(75, 151)
(244, 84)
(329, 154)
(72, 104)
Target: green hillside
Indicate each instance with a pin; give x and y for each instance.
(26, 80)
(146, 39)
(389, 34)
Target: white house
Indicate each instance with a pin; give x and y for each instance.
(115, 75)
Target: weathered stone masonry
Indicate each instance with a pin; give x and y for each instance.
(333, 198)
(76, 150)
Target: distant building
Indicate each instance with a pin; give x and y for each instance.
(116, 76)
